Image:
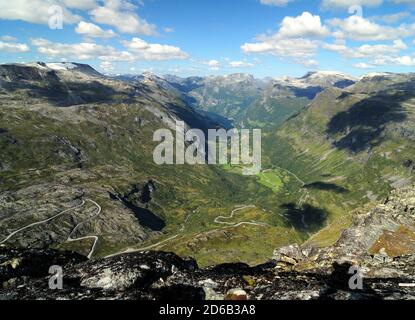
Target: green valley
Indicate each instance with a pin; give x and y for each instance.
(321, 161)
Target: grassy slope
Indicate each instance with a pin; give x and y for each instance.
(117, 153)
(339, 180)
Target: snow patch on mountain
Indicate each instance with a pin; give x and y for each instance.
(61, 66)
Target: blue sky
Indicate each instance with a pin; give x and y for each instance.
(206, 37)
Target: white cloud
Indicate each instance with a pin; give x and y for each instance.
(121, 15)
(366, 50)
(292, 39)
(404, 1)
(10, 44)
(152, 51)
(13, 47)
(168, 30)
(80, 4)
(214, 65)
(378, 55)
(363, 65)
(36, 11)
(106, 66)
(93, 31)
(277, 3)
(391, 18)
(118, 13)
(306, 25)
(8, 38)
(81, 51)
(240, 64)
(361, 29)
(137, 50)
(397, 61)
(349, 3)
(297, 48)
(309, 63)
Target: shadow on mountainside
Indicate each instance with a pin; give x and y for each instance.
(325, 186)
(137, 200)
(306, 218)
(38, 83)
(362, 126)
(338, 285)
(66, 94)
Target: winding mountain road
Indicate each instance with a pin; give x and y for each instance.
(95, 238)
(41, 222)
(253, 223)
(293, 174)
(228, 224)
(73, 231)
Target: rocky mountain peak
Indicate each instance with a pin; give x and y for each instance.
(73, 67)
(322, 79)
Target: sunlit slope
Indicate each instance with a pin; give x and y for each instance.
(350, 147)
(61, 150)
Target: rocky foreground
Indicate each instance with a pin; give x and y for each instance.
(379, 245)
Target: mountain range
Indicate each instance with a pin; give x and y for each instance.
(77, 170)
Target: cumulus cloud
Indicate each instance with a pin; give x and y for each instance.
(296, 39)
(81, 51)
(363, 65)
(397, 61)
(8, 38)
(91, 30)
(106, 66)
(378, 55)
(277, 3)
(214, 65)
(348, 3)
(151, 51)
(9, 44)
(80, 4)
(13, 47)
(306, 25)
(299, 50)
(361, 29)
(391, 18)
(412, 2)
(121, 15)
(168, 30)
(283, 47)
(240, 64)
(38, 11)
(366, 50)
(309, 63)
(137, 49)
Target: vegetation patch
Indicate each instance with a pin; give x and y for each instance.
(272, 179)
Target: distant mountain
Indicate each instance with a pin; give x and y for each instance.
(322, 79)
(72, 67)
(69, 84)
(252, 102)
